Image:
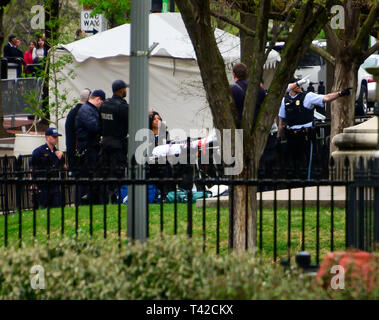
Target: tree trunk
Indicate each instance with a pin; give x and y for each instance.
(247, 41)
(243, 217)
(196, 17)
(243, 208)
(343, 109)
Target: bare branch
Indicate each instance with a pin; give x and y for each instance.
(364, 31)
(330, 33)
(233, 23)
(284, 25)
(323, 53)
(371, 50)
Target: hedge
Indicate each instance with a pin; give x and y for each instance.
(170, 268)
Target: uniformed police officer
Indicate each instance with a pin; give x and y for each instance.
(47, 160)
(114, 119)
(296, 121)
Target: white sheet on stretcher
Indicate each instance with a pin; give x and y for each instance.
(176, 149)
(167, 150)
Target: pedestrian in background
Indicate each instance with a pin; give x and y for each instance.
(40, 51)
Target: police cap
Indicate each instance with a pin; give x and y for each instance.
(52, 132)
(119, 84)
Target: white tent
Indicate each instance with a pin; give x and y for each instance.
(175, 86)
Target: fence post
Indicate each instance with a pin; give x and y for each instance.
(376, 203)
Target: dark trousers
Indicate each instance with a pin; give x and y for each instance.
(49, 196)
(113, 162)
(88, 164)
(299, 150)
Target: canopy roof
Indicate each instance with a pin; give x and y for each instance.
(166, 29)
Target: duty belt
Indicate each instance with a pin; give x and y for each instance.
(299, 131)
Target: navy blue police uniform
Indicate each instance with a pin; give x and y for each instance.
(45, 163)
(114, 123)
(297, 111)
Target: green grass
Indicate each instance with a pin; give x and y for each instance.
(155, 227)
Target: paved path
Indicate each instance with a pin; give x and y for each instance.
(282, 197)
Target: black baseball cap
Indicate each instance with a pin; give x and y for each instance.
(98, 93)
(294, 79)
(52, 132)
(119, 84)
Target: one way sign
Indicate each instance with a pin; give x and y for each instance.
(94, 24)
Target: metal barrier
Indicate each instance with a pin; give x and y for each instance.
(284, 226)
(362, 222)
(13, 95)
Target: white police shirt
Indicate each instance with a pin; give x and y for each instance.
(310, 100)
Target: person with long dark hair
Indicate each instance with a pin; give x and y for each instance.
(28, 57)
(40, 51)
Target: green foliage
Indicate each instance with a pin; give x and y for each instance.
(50, 72)
(321, 35)
(169, 268)
(116, 11)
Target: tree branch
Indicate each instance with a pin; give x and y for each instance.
(233, 23)
(370, 51)
(330, 33)
(326, 55)
(364, 31)
(256, 69)
(276, 35)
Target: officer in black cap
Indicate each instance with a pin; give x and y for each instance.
(46, 161)
(88, 134)
(296, 122)
(114, 118)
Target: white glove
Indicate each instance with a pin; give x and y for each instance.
(305, 80)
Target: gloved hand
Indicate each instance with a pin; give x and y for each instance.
(344, 92)
(305, 80)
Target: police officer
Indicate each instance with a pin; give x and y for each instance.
(88, 133)
(114, 119)
(71, 143)
(296, 122)
(46, 161)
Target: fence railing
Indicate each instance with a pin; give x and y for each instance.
(362, 224)
(292, 215)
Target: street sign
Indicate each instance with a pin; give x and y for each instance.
(94, 24)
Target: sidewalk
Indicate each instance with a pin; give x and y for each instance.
(282, 197)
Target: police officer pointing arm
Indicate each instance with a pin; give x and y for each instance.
(296, 121)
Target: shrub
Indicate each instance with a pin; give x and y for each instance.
(170, 268)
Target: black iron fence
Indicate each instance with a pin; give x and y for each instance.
(362, 225)
(316, 215)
